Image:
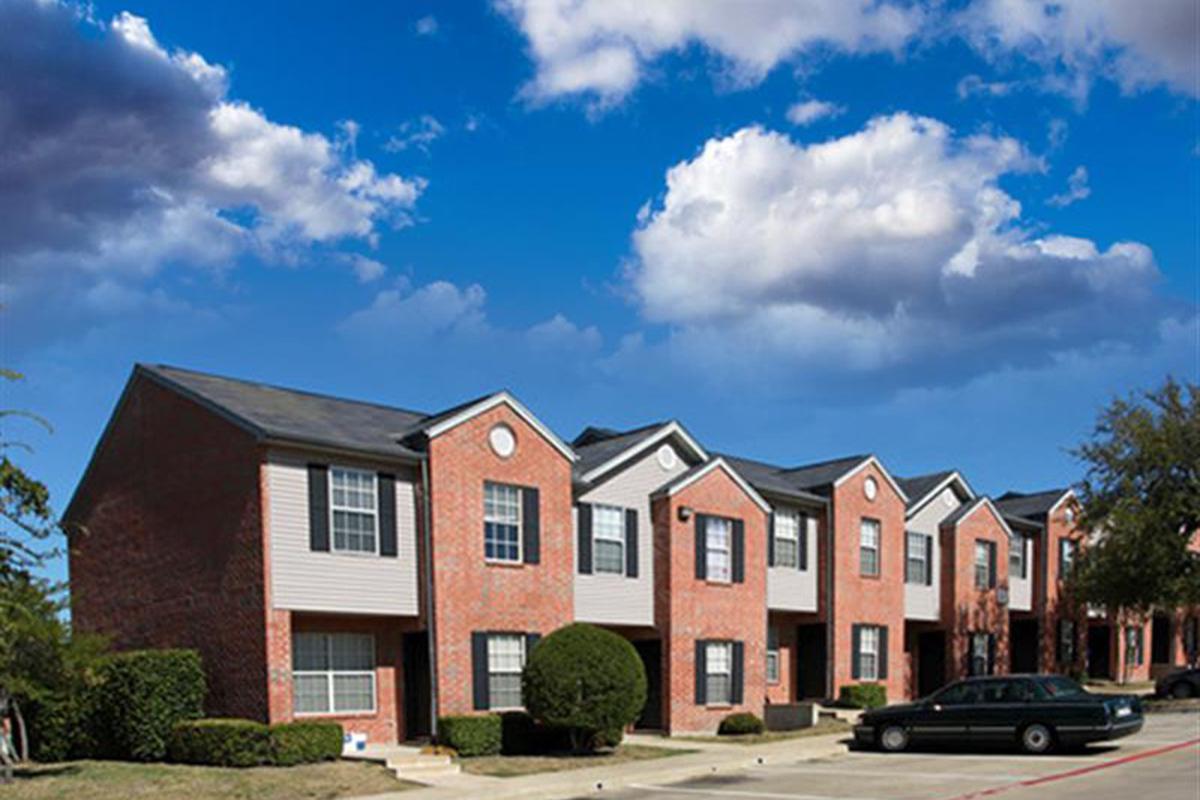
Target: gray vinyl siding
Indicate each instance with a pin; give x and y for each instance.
(1020, 590)
(616, 599)
(924, 602)
(303, 580)
(790, 589)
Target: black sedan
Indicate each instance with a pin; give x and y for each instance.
(1035, 712)
(1180, 683)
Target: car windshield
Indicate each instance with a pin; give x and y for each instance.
(1062, 687)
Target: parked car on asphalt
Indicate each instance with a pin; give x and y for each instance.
(1180, 683)
(1034, 712)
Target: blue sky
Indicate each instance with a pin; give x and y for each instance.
(942, 232)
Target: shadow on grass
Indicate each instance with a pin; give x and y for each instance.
(32, 773)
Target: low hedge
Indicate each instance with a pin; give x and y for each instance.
(471, 735)
(305, 742)
(862, 695)
(740, 725)
(221, 743)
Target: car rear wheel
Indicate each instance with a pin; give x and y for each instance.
(1037, 739)
(893, 738)
(1181, 690)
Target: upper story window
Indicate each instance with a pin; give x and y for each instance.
(333, 673)
(501, 522)
(354, 509)
(868, 560)
(608, 539)
(718, 533)
(1016, 558)
(718, 678)
(917, 570)
(787, 538)
(985, 564)
(1066, 556)
(506, 660)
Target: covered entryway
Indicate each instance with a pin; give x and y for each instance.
(650, 651)
(416, 685)
(1023, 645)
(810, 662)
(931, 662)
(1160, 640)
(1099, 651)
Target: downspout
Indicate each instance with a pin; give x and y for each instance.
(431, 625)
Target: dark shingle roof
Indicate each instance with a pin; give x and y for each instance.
(823, 474)
(293, 415)
(918, 486)
(770, 479)
(595, 446)
(1032, 507)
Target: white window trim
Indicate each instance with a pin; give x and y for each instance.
(976, 639)
(876, 548)
(727, 674)
(925, 559)
(1016, 555)
(874, 631)
(342, 551)
(520, 559)
(330, 673)
(773, 658)
(797, 521)
(619, 538)
(727, 549)
(524, 655)
(986, 548)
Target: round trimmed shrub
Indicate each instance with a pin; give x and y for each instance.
(471, 735)
(584, 679)
(740, 724)
(862, 695)
(305, 742)
(221, 743)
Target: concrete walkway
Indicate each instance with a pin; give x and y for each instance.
(711, 758)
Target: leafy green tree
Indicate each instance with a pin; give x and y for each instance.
(27, 523)
(1141, 497)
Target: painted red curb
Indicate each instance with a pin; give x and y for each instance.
(1058, 776)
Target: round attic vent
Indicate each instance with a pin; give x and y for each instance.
(666, 457)
(870, 488)
(503, 440)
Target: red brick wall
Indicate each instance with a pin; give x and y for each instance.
(965, 609)
(471, 594)
(1058, 604)
(689, 609)
(170, 549)
(785, 690)
(859, 599)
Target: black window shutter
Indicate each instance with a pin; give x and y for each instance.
(991, 654)
(883, 650)
(631, 543)
(855, 650)
(531, 528)
(929, 564)
(803, 562)
(1140, 642)
(737, 673)
(1059, 639)
(701, 674)
(531, 640)
(992, 551)
(387, 514)
(479, 670)
(318, 507)
(738, 551)
(771, 539)
(584, 539)
(701, 548)
(907, 571)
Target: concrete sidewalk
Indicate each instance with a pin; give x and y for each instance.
(712, 758)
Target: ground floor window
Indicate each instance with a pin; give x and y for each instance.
(718, 677)
(982, 654)
(1133, 645)
(506, 659)
(868, 653)
(772, 655)
(1066, 641)
(333, 673)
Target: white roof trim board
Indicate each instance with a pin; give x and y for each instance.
(953, 477)
(687, 481)
(879, 466)
(1059, 502)
(980, 503)
(520, 410)
(672, 428)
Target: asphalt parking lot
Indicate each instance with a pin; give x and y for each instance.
(1162, 761)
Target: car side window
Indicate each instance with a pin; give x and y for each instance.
(960, 694)
(1020, 691)
(996, 692)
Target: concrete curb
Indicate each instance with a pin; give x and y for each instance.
(598, 781)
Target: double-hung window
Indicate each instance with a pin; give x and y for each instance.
(718, 678)
(501, 522)
(918, 558)
(333, 673)
(985, 564)
(868, 559)
(1016, 558)
(772, 654)
(506, 659)
(981, 654)
(868, 653)
(1066, 556)
(1066, 641)
(787, 538)
(353, 506)
(718, 535)
(1133, 645)
(608, 539)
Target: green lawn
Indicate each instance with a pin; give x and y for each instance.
(512, 766)
(117, 780)
(825, 726)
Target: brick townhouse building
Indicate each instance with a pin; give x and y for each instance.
(380, 566)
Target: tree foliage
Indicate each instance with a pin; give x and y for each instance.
(27, 522)
(1141, 497)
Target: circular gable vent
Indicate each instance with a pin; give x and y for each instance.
(503, 440)
(870, 488)
(666, 457)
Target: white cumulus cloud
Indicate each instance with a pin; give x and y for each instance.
(809, 111)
